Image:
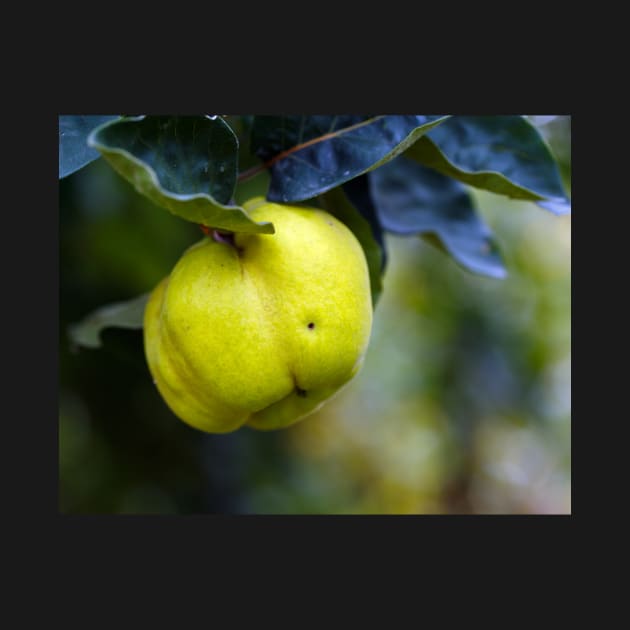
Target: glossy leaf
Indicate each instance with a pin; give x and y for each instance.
(129, 314)
(186, 164)
(337, 203)
(309, 155)
(502, 154)
(74, 152)
(412, 199)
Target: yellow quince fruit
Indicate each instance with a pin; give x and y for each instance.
(259, 329)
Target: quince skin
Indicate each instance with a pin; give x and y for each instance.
(258, 329)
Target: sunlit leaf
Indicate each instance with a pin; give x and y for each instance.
(185, 164)
(309, 155)
(412, 199)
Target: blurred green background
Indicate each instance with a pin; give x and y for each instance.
(463, 405)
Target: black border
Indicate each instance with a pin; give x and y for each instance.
(93, 543)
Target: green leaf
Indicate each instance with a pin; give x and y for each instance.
(412, 199)
(502, 154)
(338, 204)
(74, 152)
(358, 192)
(309, 155)
(129, 314)
(186, 164)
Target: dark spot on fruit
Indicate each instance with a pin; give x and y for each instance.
(311, 325)
(300, 392)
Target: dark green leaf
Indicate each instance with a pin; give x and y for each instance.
(186, 164)
(74, 152)
(502, 154)
(412, 199)
(127, 314)
(309, 155)
(337, 203)
(358, 192)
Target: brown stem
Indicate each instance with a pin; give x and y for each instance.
(221, 236)
(252, 172)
